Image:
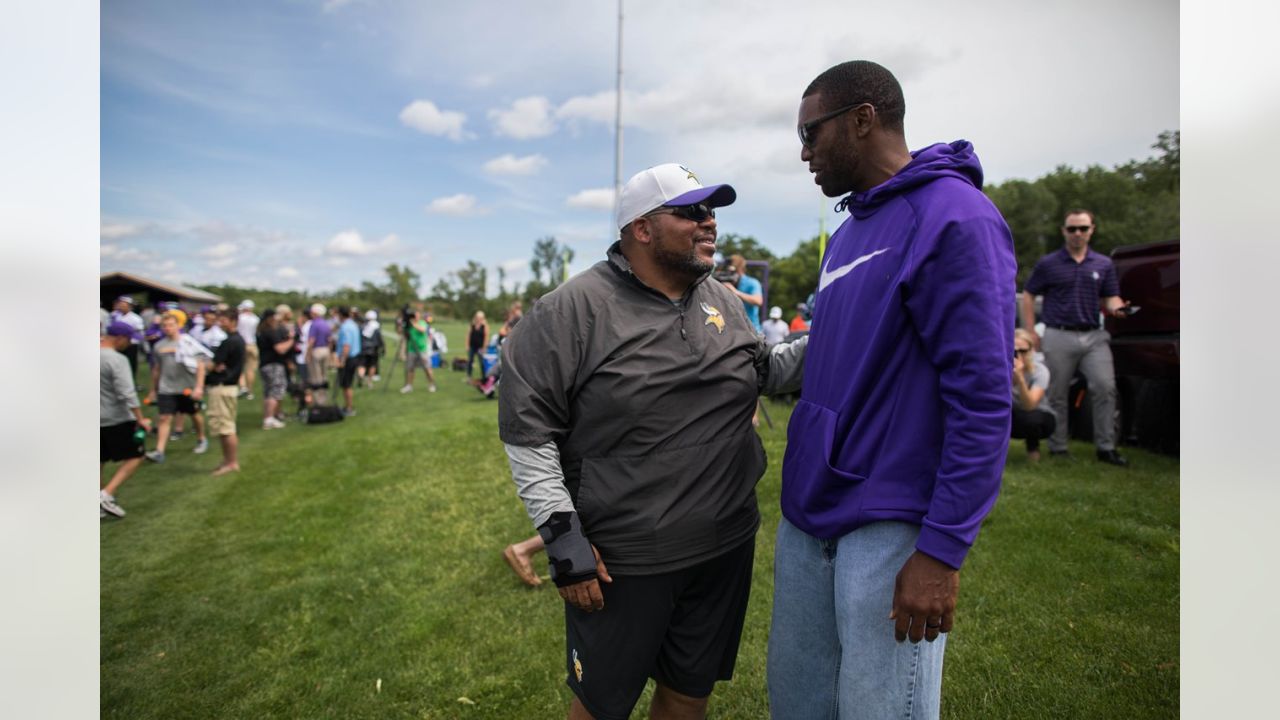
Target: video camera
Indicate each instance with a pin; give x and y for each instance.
(724, 270)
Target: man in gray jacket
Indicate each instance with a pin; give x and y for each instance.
(119, 414)
(626, 404)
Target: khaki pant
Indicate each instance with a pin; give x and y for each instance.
(221, 402)
(250, 364)
(317, 373)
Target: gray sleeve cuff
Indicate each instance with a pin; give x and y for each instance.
(786, 367)
(539, 480)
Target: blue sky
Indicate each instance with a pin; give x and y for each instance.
(308, 143)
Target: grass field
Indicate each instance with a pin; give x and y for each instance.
(353, 570)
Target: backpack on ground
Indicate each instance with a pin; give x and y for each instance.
(319, 414)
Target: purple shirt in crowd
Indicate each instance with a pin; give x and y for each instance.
(320, 332)
(1071, 290)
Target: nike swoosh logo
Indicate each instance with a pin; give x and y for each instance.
(830, 276)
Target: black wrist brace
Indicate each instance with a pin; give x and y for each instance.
(567, 549)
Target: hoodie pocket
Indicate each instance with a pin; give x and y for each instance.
(810, 483)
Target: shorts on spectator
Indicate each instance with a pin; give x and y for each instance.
(117, 442)
(174, 404)
(414, 360)
(274, 380)
(369, 361)
(222, 409)
(347, 373)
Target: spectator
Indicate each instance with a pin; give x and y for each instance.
(514, 313)
(224, 390)
(1073, 280)
(121, 425)
(477, 339)
(124, 313)
(800, 323)
(1032, 419)
(247, 326)
(372, 348)
(775, 329)
(178, 386)
(212, 335)
(274, 341)
(317, 354)
(417, 352)
(748, 290)
(348, 358)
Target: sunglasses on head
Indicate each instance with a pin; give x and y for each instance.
(1077, 228)
(697, 213)
(805, 130)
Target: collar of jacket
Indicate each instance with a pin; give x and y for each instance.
(620, 265)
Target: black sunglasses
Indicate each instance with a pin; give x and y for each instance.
(697, 213)
(805, 130)
(1021, 351)
(1077, 228)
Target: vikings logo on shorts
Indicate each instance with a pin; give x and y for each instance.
(713, 317)
(577, 666)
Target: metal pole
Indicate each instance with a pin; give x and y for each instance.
(617, 123)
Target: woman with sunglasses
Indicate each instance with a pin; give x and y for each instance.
(1032, 419)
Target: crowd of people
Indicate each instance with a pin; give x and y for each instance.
(200, 368)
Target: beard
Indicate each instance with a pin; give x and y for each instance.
(674, 257)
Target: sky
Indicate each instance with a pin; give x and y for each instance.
(306, 144)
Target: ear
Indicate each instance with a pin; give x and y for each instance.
(863, 119)
(642, 230)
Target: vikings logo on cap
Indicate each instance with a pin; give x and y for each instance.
(713, 317)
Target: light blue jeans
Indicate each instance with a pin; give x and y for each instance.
(832, 653)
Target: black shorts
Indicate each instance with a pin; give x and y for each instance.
(370, 362)
(173, 404)
(117, 442)
(681, 628)
(347, 373)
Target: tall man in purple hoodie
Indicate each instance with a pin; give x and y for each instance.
(895, 450)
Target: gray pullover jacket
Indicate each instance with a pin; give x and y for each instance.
(635, 412)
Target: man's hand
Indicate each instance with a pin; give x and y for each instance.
(732, 288)
(1018, 364)
(145, 424)
(924, 598)
(198, 393)
(586, 595)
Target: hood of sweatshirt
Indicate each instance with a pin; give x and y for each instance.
(955, 159)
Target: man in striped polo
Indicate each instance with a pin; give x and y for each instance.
(1078, 285)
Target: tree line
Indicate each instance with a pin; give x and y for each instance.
(1135, 202)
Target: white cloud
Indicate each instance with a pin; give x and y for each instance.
(460, 205)
(339, 261)
(425, 117)
(511, 165)
(287, 272)
(595, 199)
(221, 262)
(220, 251)
(526, 118)
(115, 231)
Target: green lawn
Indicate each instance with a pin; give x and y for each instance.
(352, 570)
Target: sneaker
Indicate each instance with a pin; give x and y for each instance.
(249, 396)
(1111, 457)
(202, 446)
(107, 503)
(347, 413)
(406, 389)
(244, 394)
(155, 456)
(272, 424)
(377, 378)
(432, 388)
(488, 385)
(175, 436)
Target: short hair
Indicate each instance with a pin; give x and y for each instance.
(344, 311)
(861, 81)
(229, 313)
(1093, 220)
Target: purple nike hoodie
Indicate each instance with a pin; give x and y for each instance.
(906, 404)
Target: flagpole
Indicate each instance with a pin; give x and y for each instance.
(617, 123)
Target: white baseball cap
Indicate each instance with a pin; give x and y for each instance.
(371, 315)
(775, 313)
(317, 309)
(245, 305)
(671, 185)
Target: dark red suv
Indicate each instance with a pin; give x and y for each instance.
(1146, 349)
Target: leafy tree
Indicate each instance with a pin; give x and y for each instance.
(551, 259)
